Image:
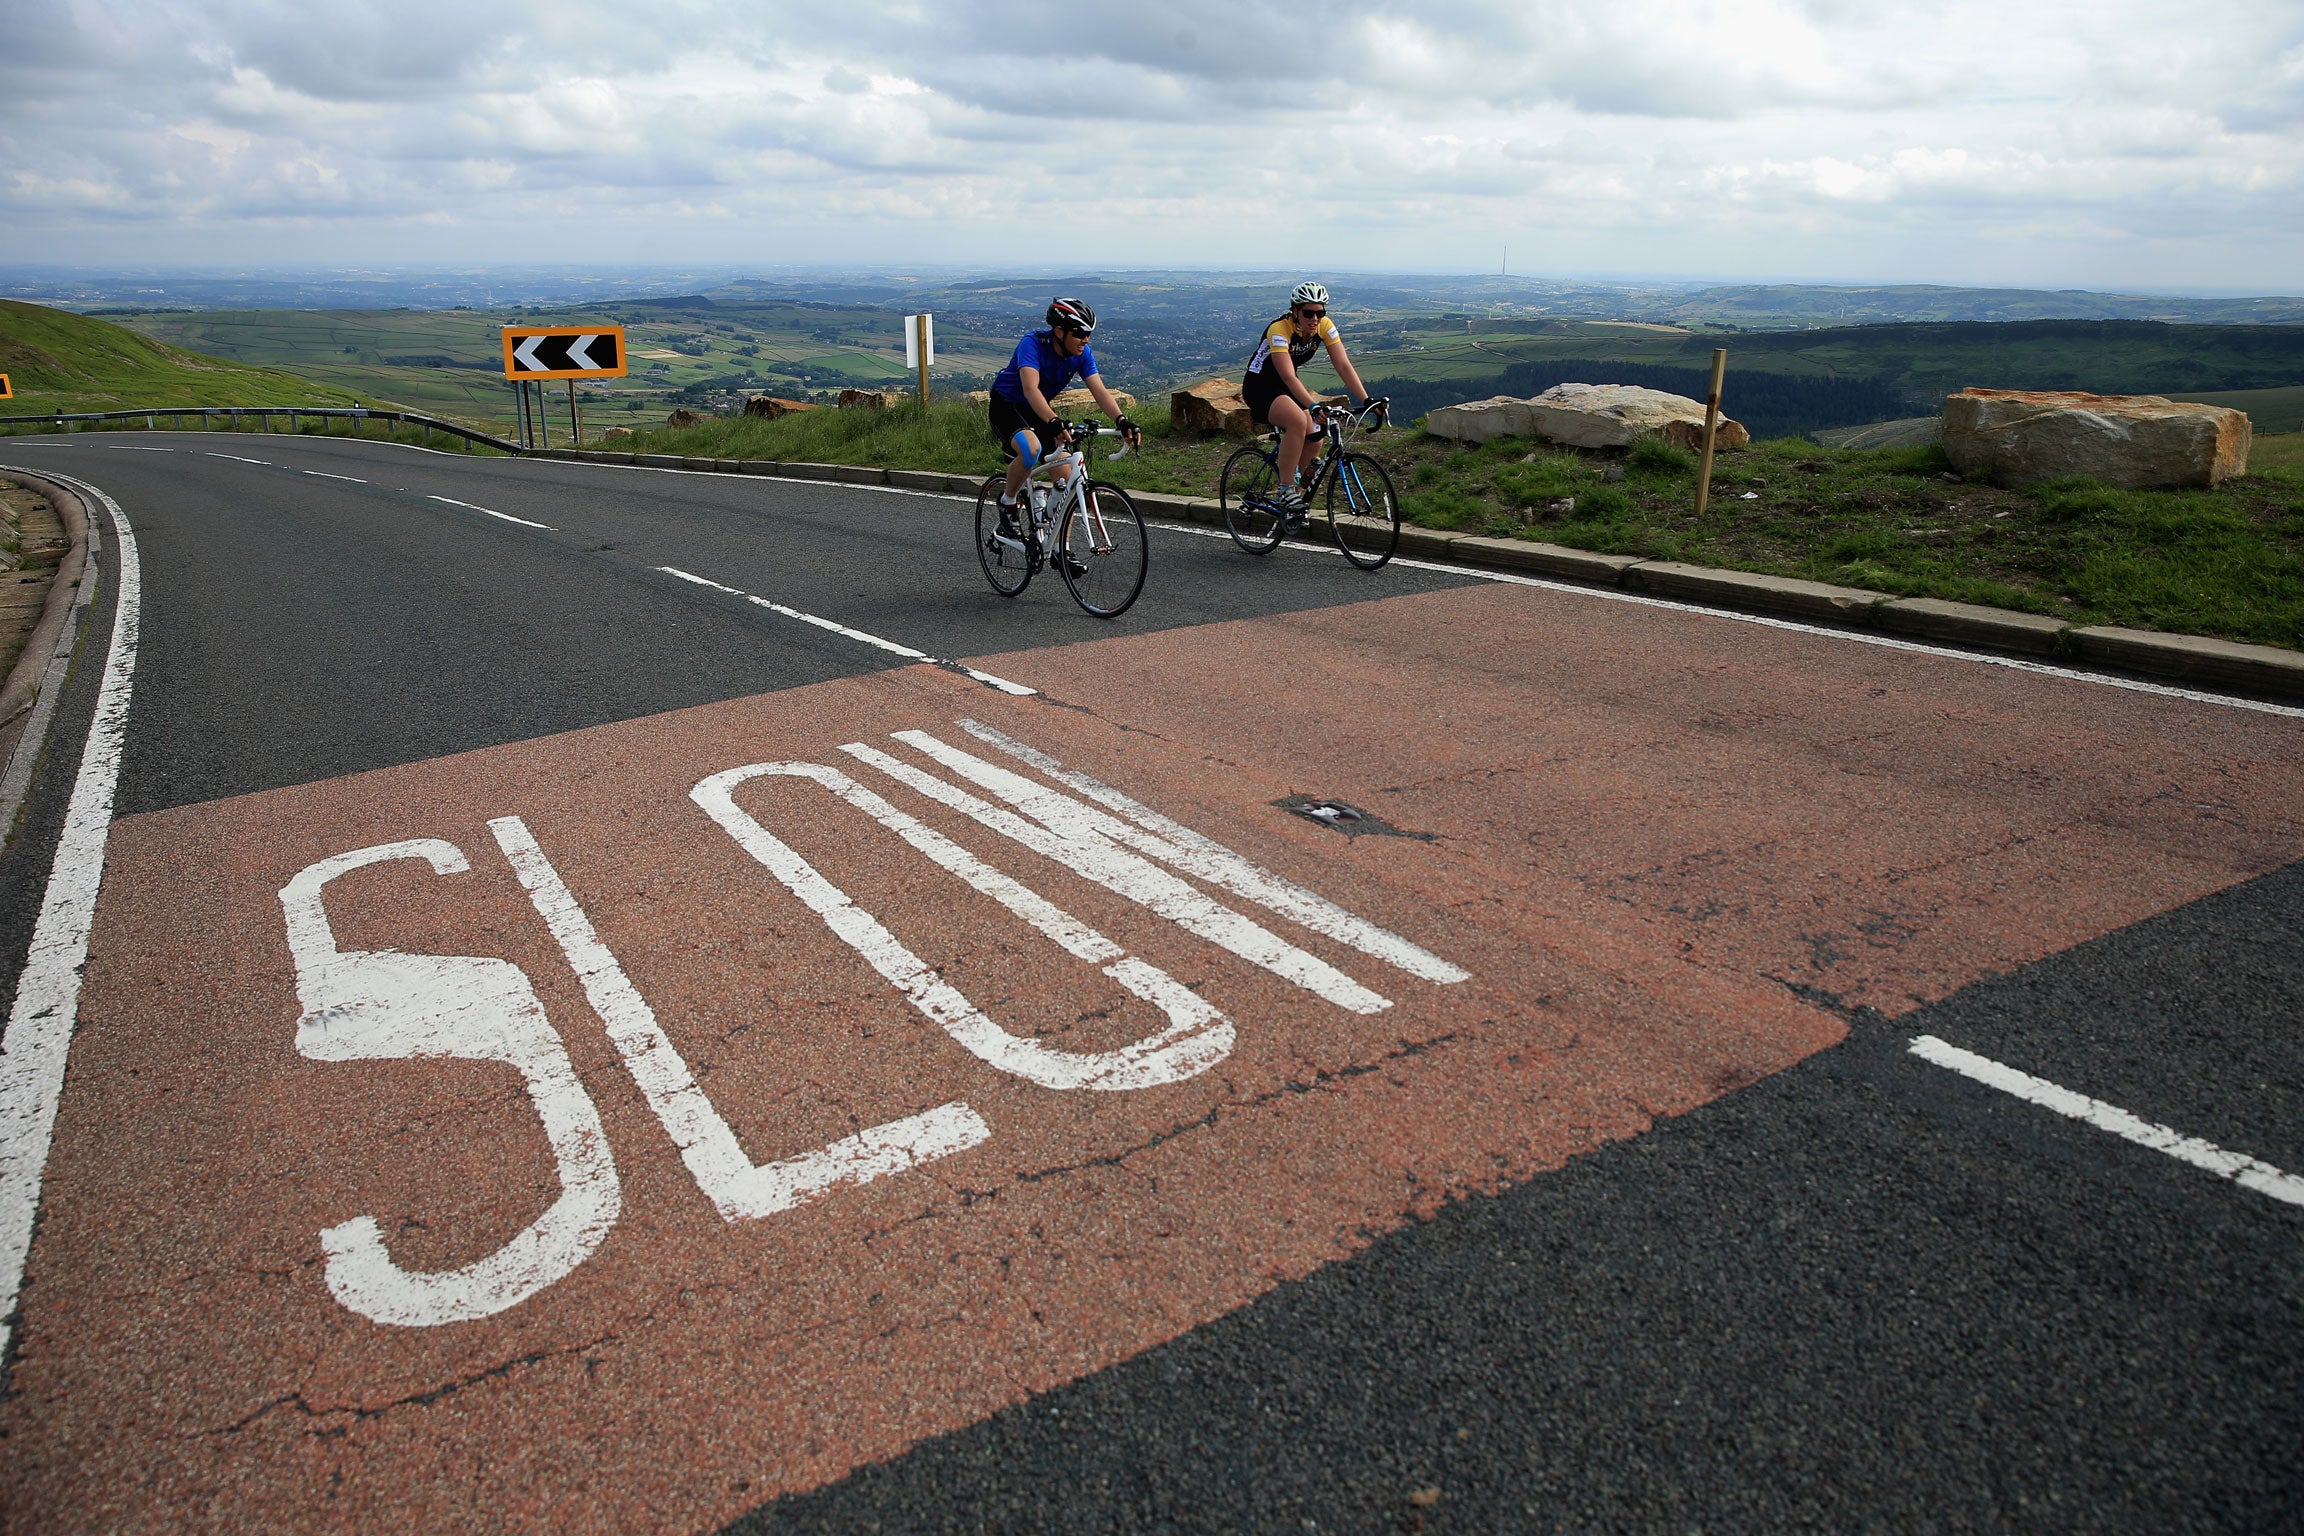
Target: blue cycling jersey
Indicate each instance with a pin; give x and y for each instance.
(1039, 350)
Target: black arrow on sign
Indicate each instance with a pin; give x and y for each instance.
(561, 350)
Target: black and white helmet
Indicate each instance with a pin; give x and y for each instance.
(1073, 315)
(1307, 293)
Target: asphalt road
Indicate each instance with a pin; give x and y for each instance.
(1658, 1224)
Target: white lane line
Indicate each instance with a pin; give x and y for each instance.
(47, 1006)
(139, 448)
(2236, 1166)
(239, 459)
(323, 474)
(1885, 642)
(492, 512)
(863, 636)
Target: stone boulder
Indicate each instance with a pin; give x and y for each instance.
(1072, 400)
(612, 433)
(1615, 415)
(869, 399)
(769, 407)
(1480, 421)
(683, 418)
(2134, 442)
(1213, 405)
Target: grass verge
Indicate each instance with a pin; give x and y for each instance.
(2226, 562)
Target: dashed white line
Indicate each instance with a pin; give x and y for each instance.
(39, 1035)
(492, 512)
(239, 459)
(1794, 626)
(2236, 1166)
(323, 474)
(862, 636)
(139, 448)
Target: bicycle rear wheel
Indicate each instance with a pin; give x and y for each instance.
(1006, 558)
(1101, 550)
(1363, 514)
(1245, 492)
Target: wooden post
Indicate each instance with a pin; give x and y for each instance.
(1711, 429)
(920, 345)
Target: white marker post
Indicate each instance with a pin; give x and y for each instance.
(920, 349)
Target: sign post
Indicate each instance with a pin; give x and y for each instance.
(568, 352)
(1711, 428)
(920, 349)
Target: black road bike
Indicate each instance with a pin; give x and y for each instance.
(1090, 531)
(1363, 512)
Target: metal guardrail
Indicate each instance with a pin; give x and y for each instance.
(63, 421)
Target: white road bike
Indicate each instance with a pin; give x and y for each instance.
(1090, 531)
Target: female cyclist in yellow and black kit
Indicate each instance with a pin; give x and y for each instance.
(1277, 397)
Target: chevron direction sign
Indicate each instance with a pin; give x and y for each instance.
(563, 352)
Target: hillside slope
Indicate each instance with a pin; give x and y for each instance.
(59, 361)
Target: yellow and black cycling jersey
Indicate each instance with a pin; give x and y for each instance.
(1281, 333)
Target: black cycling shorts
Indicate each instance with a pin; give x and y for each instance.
(1259, 390)
(1008, 419)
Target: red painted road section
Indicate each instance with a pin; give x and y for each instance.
(1641, 833)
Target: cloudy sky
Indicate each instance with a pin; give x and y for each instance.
(2059, 143)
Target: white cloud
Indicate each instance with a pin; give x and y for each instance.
(2104, 143)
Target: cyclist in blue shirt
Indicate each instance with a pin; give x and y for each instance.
(1045, 363)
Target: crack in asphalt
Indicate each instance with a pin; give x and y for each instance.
(1318, 1082)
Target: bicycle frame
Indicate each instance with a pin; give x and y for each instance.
(1063, 493)
(1344, 429)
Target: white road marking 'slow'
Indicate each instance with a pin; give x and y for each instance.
(862, 636)
(738, 1188)
(492, 512)
(2236, 1166)
(1173, 843)
(381, 1005)
(323, 474)
(39, 1035)
(1794, 626)
(237, 459)
(1146, 884)
(1197, 1035)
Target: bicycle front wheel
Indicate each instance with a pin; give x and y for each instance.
(1101, 550)
(1363, 514)
(1245, 492)
(1003, 552)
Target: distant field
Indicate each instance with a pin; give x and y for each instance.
(450, 362)
(2269, 410)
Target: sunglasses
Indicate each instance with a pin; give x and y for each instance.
(1313, 314)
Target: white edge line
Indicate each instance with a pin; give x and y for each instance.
(470, 507)
(47, 1004)
(863, 636)
(1795, 626)
(2236, 1166)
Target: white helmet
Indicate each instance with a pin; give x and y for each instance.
(1307, 293)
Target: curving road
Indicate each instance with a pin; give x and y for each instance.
(645, 1001)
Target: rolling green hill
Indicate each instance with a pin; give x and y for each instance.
(59, 361)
